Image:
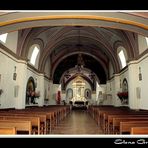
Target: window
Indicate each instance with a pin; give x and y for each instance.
(122, 58)
(3, 37)
(34, 55)
(146, 40)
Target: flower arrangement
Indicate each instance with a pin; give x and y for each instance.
(123, 96)
(33, 93)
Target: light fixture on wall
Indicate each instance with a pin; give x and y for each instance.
(14, 74)
(140, 74)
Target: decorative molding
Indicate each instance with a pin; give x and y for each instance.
(88, 17)
(7, 52)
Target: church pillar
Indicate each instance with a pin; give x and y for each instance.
(52, 100)
(53, 93)
(20, 79)
(133, 85)
(42, 90)
(115, 89)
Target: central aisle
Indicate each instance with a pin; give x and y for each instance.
(78, 122)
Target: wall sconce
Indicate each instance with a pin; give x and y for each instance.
(14, 74)
(140, 74)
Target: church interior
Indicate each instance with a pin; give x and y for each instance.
(73, 72)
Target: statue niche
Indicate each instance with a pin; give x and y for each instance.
(30, 91)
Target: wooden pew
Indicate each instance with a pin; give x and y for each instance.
(125, 127)
(19, 125)
(35, 121)
(139, 131)
(53, 115)
(108, 118)
(42, 117)
(7, 130)
(116, 122)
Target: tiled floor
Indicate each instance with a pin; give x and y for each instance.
(78, 122)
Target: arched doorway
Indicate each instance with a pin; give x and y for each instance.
(30, 91)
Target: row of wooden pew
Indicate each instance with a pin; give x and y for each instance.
(120, 120)
(36, 120)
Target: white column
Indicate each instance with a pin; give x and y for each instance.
(41, 89)
(20, 85)
(115, 89)
(133, 83)
(53, 93)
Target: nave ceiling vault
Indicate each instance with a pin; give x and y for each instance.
(62, 44)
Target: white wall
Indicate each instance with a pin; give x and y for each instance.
(123, 75)
(142, 44)
(114, 86)
(108, 98)
(13, 90)
(133, 84)
(46, 91)
(143, 100)
(53, 93)
(100, 89)
(7, 83)
(20, 98)
(11, 41)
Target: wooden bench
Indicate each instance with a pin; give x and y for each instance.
(139, 131)
(7, 130)
(42, 117)
(35, 121)
(116, 122)
(108, 118)
(19, 125)
(125, 127)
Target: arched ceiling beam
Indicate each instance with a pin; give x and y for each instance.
(72, 70)
(83, 76)
(20, 20)
(108, 51)
(71, 62)
(77, 52)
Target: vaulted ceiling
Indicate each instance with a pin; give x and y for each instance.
(62, 43)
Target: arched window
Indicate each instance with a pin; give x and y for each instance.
(146, 38)
(142, 43)
(87, 93)
(69, 93)
(3, 37)
(122, 56)
(33, 54)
